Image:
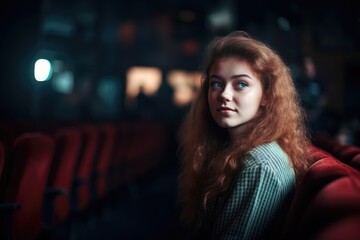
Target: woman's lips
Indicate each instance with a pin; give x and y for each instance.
(225, 109)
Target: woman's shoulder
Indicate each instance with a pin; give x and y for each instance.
(270, 154)
(266, 149)
(273, 162)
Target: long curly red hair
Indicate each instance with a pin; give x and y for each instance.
(209, 159)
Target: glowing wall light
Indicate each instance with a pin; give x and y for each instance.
(42, 70)
(146, 80)
(142, 79)
(184, 84)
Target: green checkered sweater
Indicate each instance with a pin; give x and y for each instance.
(257, 201)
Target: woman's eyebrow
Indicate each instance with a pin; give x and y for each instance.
(215, 76)
(241, 75)
(232, 77)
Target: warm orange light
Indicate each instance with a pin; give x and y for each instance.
(127, 32)
(142, 79)
(184, 84)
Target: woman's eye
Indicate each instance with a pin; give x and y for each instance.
(216, 84)
(242, 85)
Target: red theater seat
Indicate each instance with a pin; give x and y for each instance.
(132, 150)
(344, 229)
(67, 150)
(350, 155)
(24, 184)
(85, 166)
(355, 162)
(336, 209)
(328, 193)
(346, 153)
(146, 144)
(122, 144)
(2, 159)
(317, 153)
(108, 134)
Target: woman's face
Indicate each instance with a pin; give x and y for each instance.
(235, 94)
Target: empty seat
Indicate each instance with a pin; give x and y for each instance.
(105, 159)
(84, 168)
(344, 229)
(62, 169)
(326, 182)
(355, 162)
(346, 153)
(120, 161)
(2, 159)
(24, 181)
(317, 153)
(335, 210)
(128, 152)
(146, 144)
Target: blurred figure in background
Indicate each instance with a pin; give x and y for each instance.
(320, 119)
(348, 131)
(312, 95)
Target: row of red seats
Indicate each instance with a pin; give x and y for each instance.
(326, 203)
(50, 177)
(346, 153)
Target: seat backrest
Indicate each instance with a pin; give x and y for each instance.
(322, 173)
(350, 155)
(345, 153)
(145, 147)
(2, 159)
(346, 228)
(122, 145)
(355, 162)
(108, 134)
(85, 164)
(317, 154)
(337, 202)
(62, 169)
(27, 175)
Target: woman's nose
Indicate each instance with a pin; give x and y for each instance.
(226, 94)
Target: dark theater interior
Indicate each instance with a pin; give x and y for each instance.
(93, 92)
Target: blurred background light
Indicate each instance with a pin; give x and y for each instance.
(283, 24)
(184, 84)
(222, 18)
(108, 91)
(63, 82)
(143, 79)
(42, 70)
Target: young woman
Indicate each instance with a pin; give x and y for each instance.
(243, 143)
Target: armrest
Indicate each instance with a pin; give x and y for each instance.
(97, 174)
(52, 192)
(9, 206)
(48, 207)
(79, 180)
(6, 215)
